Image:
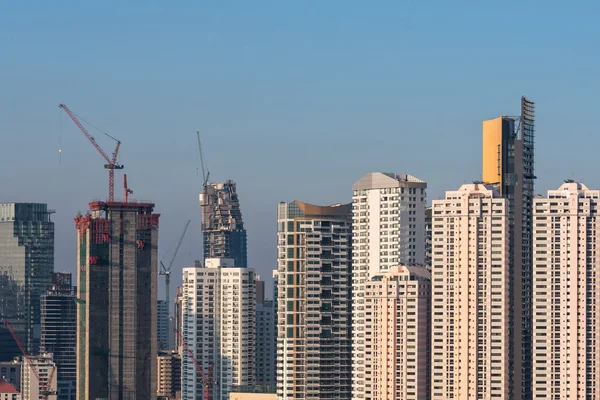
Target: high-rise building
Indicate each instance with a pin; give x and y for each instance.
(398, 334)
(33, 384)
(260, 290)
(219, 327)
(162, 329)
(566, 301)
(470, 295)
(178, 321)
(116, 297)
(508, 164)
(388, 229)
(10, 371)
(266, 343)
(169, 374)
(314, 270)
(223, 230)
(59, 332)
(26, 267)
(428, 211)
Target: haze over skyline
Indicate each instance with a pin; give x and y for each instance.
(293, 101)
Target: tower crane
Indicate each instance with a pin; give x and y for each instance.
(166, 271)
(205, 173)
(111, 163)
(207, 379)
(45, 387)
(127, 190)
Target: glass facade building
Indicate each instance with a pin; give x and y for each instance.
(58, 321)
(26, 267)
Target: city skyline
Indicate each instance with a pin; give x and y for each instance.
(371, 85)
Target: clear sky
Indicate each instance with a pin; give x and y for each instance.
(294, 100)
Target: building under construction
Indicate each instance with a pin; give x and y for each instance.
(117, 293)
(223, 230)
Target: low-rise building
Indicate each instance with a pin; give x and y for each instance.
(169, 374)
(8, 391)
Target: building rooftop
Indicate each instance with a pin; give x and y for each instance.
(337, 210)
(381, 180)
(6, 387)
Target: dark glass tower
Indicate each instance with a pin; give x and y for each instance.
(26, 267)
(223, 230)
(59, 328)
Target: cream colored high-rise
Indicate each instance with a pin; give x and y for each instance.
(219, 327)
(397, 335)
(388, 229)
(566, 298)
(470, 313)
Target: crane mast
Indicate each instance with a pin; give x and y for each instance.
(111, 163)
(207, 379)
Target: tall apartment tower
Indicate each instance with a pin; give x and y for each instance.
(508, 164)
(471, 279)
(388, 229)
(266, 344)
(428, 211)
(219, 327)
(566, 301)
(223, 230)
(314, 269)
(162, 327)
(178, 317)
(398, 335)
(26, 267)
(59, 332)
(116, 297)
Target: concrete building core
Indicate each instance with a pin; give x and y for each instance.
(116, 297)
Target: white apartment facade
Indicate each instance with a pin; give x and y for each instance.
(218, 326)
(398, 335)
(566, 300)
(470, 314)
(32, 387)
(313, 297)
(388, 229)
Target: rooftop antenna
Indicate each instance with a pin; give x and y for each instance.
(205, 173)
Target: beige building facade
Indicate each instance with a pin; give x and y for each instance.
(470, 294)
(566, 301)
(388, 229)
(397, 334)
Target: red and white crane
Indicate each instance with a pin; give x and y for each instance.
(111, 163)
(207, 379)
(45, 387)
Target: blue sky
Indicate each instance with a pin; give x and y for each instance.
(294, 100)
